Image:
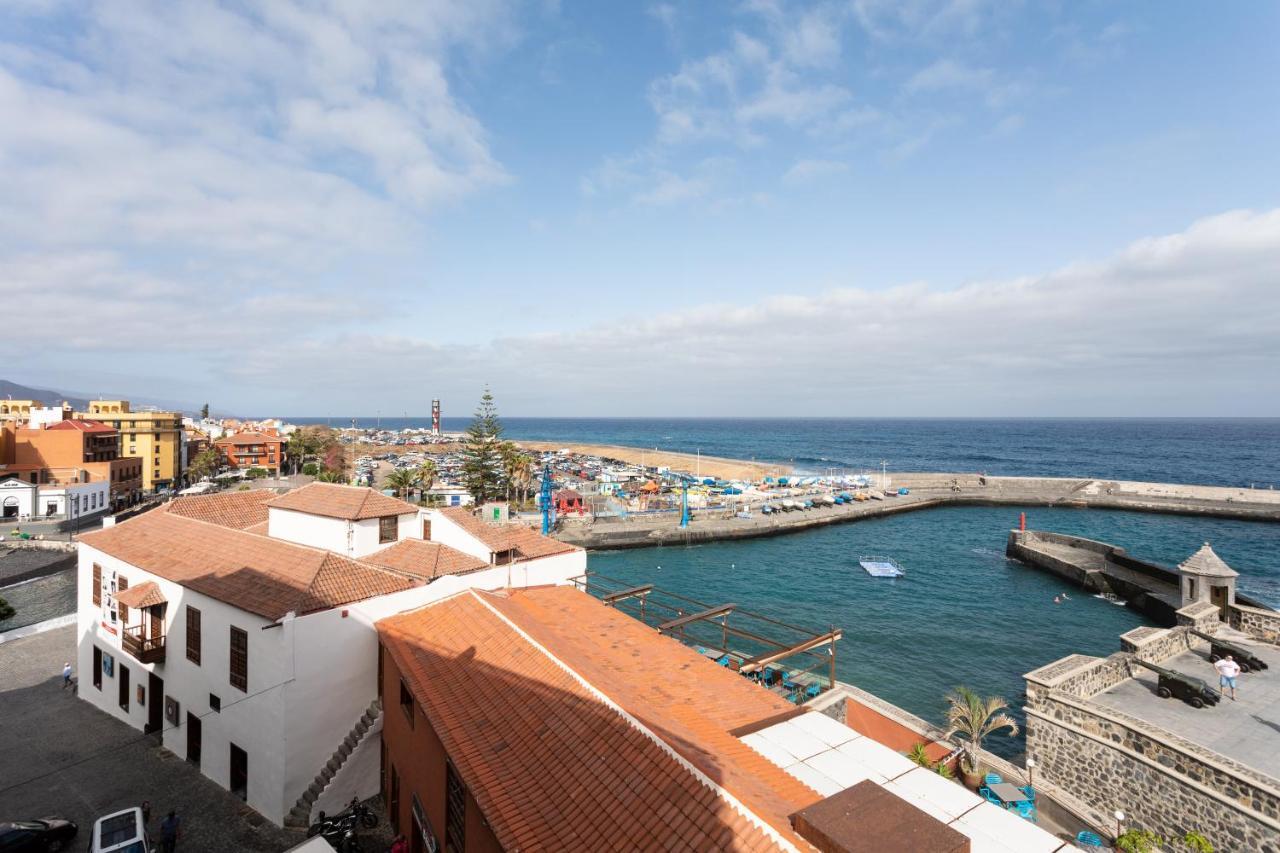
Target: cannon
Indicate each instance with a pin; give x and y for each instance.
(1188, 688)
(1218, 649)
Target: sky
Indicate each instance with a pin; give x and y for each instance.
(760, 208)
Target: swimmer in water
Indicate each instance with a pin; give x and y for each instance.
(1057, 599)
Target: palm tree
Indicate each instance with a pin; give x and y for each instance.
(327, 476)
(973, 718)
(427, 474)
(523, 476)
(403, 480)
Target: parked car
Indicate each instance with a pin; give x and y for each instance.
(36, 836)
(121, 832)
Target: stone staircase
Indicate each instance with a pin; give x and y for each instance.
(300, 815)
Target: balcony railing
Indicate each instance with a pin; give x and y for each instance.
(145, 649)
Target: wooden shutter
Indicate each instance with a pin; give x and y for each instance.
(193, 635)
(122, 583)
(239, 659)
(97, 585)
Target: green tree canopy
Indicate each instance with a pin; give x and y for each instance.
(482, 457)
(205, 464)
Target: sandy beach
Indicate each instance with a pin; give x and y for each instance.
(709, 466)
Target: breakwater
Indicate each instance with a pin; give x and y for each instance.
(928, 490)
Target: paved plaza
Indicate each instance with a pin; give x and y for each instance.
(1247, 730)
(60, 756)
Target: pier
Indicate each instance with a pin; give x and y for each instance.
(927, 491)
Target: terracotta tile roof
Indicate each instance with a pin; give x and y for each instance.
(265, 576)
(338, 501)
(82, 426)
(526, 733)
(427, 560)
(249, 438)
(237, 510)
(144, 594)
(506, 537)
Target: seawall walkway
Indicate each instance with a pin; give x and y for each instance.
(928, 491)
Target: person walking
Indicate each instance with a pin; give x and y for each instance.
(170, 829)
(1227, 669)
(66, 675)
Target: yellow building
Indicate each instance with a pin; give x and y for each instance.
(154, 437)
(18, 410)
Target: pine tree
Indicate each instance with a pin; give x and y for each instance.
(204, 412)
(481, 460)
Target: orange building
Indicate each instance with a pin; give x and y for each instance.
(251, 450)
(84, 451)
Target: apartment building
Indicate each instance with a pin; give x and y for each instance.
(245, 450)
(156, 438)
(67, 452)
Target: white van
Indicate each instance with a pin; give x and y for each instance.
(121, 832)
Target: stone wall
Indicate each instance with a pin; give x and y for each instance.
(1078, 675)
(1200, 615)
(1260, 624)
(1154, 645)
(1111, 761)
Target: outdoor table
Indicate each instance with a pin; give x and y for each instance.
(1009, 793)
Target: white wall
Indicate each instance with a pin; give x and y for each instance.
(253, 719)
(24, 493)
(444, 531)
(94, 497)
(318, 531)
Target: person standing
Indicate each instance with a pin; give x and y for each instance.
(66, 675)
(170, 829)
(1227, 669)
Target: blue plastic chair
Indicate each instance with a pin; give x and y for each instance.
(1026, 811)
(770, 675)
(993, 779)
(1030, 792)
(812, 690)
(1088, 839)
(789, 682)
(723, 660)
(990, 797)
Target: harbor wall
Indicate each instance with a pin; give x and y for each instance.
(1109, 760)
(928, 491)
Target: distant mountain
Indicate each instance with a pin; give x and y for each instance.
(80, 400)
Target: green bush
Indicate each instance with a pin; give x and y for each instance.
(256, 473)
(311, 469)
(6, 610)
(1197, 843)
(1138, 841)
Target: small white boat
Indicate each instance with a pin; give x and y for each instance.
(881, 567)
(1112, 598)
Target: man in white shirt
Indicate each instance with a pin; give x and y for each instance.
(1227, 669)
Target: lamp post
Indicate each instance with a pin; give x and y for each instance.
(1119, 821)
(1031, 772)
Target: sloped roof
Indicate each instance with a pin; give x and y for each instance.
(338, 501)
(507, 537)
(1205, 562)
(81, 426)
(545, 695)
(145, 594)
(237, 510)
(427, 560)
(248, 438)
(269, 577)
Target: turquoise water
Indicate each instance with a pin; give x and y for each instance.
(964, 614)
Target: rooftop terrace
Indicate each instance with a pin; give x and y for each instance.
(1247, 730)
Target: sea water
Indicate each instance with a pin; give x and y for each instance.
(964, 614)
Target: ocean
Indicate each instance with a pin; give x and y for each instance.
(1225, 452)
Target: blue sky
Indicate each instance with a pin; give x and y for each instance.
(948, 208)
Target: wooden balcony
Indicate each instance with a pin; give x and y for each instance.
(145, 649)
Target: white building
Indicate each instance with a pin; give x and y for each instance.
(506, 544)
(239, 626)
(26, 501)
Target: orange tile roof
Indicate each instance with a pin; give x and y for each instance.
(269, 577)
(506, 537)
(248, 438)
(337, 501)
(81, 425)
(144, 594)
(555, 763)
(237, 510)
(427, 560)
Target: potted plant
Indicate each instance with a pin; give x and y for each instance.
(1138, 841)
(973, 718)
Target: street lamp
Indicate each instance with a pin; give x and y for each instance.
(1031, 771)
(1119, 820)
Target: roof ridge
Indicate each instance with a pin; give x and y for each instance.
(736, 804)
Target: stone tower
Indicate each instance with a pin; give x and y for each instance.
(1205, 577)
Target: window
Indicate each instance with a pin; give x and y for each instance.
(97, 585)
(193, 739)
(426, 529)
(97, 667)
(124, 687)
(455, 811)
(406, 702)
(215, 704)
(122, 583)
(393, 804)
(387, 528)
(239, 659)
(193, 635)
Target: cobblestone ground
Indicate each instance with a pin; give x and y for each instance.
(60, 756)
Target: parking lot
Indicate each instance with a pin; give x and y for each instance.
(59, 756)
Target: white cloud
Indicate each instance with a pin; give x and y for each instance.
(808, 171)
(1187, 323)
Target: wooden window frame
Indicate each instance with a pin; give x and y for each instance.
(97, 585)
(455, 810)
(407, 707)
(122, 610)
(239, 675)
(385, 522)
(193, 634)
